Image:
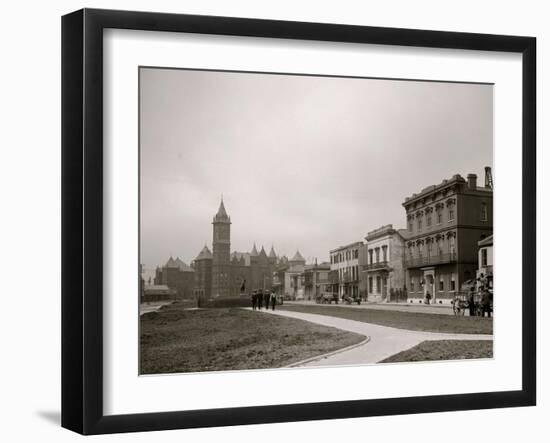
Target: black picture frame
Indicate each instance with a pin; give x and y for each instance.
(82, 218)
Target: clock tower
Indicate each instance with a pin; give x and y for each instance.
(221, 251)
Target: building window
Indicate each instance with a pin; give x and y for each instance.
(453, 283)
(452, 248)
(412, 285)
(384, 253)
(370, 285)
(429, 219)
(410, 226)
(370, 256)
(377, 252)
(441, 284)
(484, 257)
(483, 213)
(419, 224)
(439, 216)
(451, 213)
(378, 284)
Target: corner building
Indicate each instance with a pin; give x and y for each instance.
(445, 222)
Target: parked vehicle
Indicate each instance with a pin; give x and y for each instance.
(349, 299)
(327, 298)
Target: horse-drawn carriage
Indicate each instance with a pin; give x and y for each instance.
(471, 293)
(350, 299)
(327, 297)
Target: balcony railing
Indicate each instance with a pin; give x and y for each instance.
(349, 279)
(429, 260)
(376, 266)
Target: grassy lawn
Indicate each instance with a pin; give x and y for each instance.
(444, 350)
(178, 340)
(404, 320)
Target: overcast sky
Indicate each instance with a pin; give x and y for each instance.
(308, 163)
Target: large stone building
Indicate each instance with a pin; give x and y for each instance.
(383, 271)
(445, 222)
(344, 266)
(178, 276)
(222, 273)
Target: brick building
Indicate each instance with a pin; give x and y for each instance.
(445, 222)
(222, 273)
(178, 276)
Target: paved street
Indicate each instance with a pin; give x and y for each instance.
(384, 341)
(403, 307)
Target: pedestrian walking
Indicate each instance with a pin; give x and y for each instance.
(260, 299)
(254, 300)
(273, 301)
(266, 300)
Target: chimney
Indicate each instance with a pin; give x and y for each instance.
(472, 181)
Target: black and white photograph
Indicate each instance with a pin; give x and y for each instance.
(272, 222)
(297, 221)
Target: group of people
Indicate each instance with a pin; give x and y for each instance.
(485, 304)
(263, 298)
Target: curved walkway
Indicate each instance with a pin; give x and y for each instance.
(384, 341)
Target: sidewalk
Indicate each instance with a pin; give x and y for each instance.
(384, 341)
(403, 307)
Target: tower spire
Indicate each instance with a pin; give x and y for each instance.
(221, 215)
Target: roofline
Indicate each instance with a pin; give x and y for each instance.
(339, 248)
(457, 178)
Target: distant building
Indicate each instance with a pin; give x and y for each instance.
(288, 277)
(344, 266)
(316, 281)
(445, 222)
(383, 271)
(222, 273)
(177, 276)
(154, 293)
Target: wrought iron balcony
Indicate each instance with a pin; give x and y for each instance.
(381, 265)
(439, 259)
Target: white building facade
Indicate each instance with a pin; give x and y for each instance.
(384, 269)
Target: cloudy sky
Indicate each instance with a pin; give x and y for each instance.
(308, 163)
